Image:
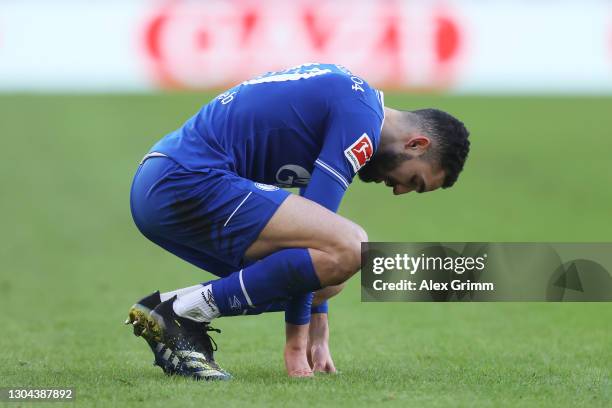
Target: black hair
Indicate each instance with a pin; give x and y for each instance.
(450, 141)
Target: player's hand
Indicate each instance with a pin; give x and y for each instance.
(296, 346)
(320, 358)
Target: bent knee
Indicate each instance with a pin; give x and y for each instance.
(362, 235)
(346, 253)
(326, 293)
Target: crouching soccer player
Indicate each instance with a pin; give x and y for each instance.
(209, 193)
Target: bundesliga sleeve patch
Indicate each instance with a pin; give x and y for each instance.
(360, 152)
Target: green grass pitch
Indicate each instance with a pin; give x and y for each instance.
(72, 263)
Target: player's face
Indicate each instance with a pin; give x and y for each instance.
(403, 173)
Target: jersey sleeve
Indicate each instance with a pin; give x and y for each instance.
(351, 138)
(323, 189)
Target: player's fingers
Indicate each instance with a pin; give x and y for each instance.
(330, 367)
(324, 367)
(319, 367)
(300, 373)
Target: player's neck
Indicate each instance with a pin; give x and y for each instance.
(392, 130)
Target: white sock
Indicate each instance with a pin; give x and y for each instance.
(198, 305)
(179, 292)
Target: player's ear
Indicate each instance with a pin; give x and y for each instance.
(417, 145)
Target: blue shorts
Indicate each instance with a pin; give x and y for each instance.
(207, 218)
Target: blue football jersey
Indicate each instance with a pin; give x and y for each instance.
(277, 127)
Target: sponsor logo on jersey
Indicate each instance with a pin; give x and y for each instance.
(360, 152)
(291, 175)
(266, 187)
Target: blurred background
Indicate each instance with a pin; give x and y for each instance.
(87, 87)
(457, 46)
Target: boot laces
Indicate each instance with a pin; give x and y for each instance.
(213, 343)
